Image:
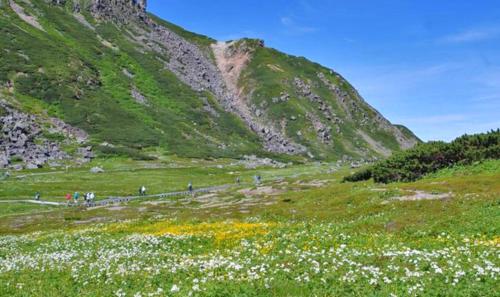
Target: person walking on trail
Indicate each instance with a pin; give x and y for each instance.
(68, 199)
(190, 187)
(37, 196)
(76, 196)
(142, 191)
(87, 199)
(238, 180)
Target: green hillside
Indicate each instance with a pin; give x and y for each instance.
(114, 79)
(69, 73)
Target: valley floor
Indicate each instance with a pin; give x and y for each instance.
(300, 233)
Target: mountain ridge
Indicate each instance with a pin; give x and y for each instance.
(132, 80)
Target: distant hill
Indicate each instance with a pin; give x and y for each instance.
(118, 80)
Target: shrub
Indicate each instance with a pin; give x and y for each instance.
(429, 157)
(364, 174)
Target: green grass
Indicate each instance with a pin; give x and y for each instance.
(122, 178)
(316, 236)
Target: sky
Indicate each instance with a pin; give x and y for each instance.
(433, 66)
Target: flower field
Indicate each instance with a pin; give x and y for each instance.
(244, 258)
(304, 234)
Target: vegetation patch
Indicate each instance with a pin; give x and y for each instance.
(430, 157)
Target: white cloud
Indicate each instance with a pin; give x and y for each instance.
(294, 28)
(469, 36)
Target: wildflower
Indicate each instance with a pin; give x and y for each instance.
(174, 289)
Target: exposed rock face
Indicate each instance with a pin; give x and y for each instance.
(22, 143)
(193, 67)
(324, 131)
(120, 11)
(231, 59)
(271, 104)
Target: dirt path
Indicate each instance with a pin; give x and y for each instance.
(420, 195)
(33, 202)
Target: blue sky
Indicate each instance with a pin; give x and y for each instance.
(433, 66)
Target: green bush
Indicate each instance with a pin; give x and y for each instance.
(364, 174)
(429, 157)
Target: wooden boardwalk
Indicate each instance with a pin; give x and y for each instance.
(124, 199)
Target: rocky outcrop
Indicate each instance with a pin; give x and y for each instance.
(120, 11)
(323, 132)
(352, 107)
(231, 59)
(217, 69)
(195, 68)
(23, 143)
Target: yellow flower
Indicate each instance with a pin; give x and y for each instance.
(220, 231)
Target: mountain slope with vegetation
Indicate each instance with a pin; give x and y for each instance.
(136, 83)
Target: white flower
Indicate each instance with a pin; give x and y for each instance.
(175, 289)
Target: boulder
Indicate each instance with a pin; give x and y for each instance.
(4, 160)
(96, 170)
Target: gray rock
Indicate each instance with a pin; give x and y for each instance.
(127, 73)
(17, 167)
(96, 170)
(31, 166)
(138, 97)
(21, 137)
(252, 162)
(4, 160)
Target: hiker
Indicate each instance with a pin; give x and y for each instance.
(190, 187)
(37, 196)
(142, 191)
(257, 179)
(238, 180)
(76, 196)
(68, 199)
(91, 198)
(87, 199)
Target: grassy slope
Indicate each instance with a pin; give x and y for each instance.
(271, 72)
(407, 132)
(51, 69)
(69, 61)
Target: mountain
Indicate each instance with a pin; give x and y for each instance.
(104, 77)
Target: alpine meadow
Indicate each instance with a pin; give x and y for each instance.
(141, 159)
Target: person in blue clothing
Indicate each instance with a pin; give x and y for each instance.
(76, 196)
(190, 187)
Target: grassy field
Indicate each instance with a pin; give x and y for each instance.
(301, 233)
